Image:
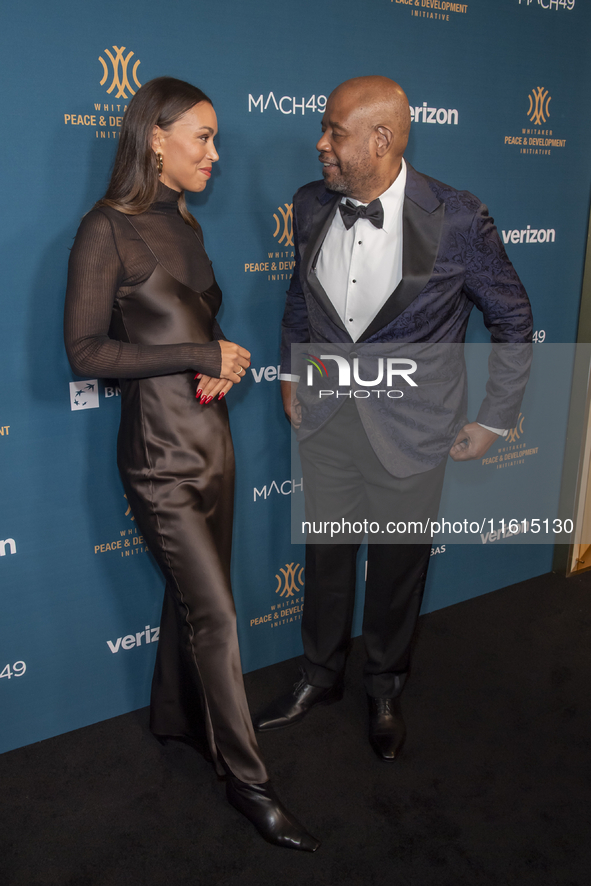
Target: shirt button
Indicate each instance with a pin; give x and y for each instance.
(353, 281)
(359, 242)
(350, 319)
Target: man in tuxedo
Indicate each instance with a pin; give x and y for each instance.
(384, 255)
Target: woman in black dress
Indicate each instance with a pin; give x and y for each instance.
(141, 306)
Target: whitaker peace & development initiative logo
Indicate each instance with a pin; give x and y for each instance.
(512, 450)
(541, 139)
(289, 580)
(539, 103)
(290, 591)
(129, 543)
(118, 77)
(279, 263)
(440, 10)
(284, 225)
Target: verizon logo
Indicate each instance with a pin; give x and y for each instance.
(130, 641)
(530, 235)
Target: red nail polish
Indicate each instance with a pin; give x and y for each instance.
(203, 399)
(223, 394)
(198, 394)
(195, 377)
(208, 400)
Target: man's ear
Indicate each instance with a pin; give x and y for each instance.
(383, 140)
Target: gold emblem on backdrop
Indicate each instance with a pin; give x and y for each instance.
(510, 452)
(119, 64)
(286, 214)
(289, 607)
(539, 102)
(277, 265)
(515, 433)
(292, 581)
(120, 82)
(128, 511)
(537, 138)
(129, 543)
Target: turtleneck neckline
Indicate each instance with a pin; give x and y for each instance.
(164, 194)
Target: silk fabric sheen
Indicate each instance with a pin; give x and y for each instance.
(177, 464)
(174, 454)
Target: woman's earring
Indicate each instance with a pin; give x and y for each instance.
(159, 163)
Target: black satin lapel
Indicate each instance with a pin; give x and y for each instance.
(321, 223)
(420, 245)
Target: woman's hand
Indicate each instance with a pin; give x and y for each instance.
(208, 388)
(235, 361)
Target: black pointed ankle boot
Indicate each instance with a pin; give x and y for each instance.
(262, 807)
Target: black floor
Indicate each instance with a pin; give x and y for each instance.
(493, 786)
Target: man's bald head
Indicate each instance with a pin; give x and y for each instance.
(366, 127)
(378, 101)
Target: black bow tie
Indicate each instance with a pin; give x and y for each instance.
(373, 212)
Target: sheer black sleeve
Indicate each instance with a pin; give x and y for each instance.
(217, 332)
(96, 272)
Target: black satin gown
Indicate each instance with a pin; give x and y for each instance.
(175, 455)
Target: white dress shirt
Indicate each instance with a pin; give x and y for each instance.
(360, 268)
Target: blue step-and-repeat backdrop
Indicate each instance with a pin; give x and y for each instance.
(499, 91)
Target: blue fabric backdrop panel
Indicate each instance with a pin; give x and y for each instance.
(498, 89)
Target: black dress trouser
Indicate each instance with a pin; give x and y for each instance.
(344, 479)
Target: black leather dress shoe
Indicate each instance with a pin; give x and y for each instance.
(262, 807)
(386, 727)
(291, 708)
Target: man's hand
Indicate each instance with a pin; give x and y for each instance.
(472, 442)
(291, 404)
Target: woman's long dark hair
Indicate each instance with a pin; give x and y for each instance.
(134, 181)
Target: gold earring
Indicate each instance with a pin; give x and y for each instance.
(159, 163)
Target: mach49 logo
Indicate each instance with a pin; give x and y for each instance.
(287, 104)
(550, 4)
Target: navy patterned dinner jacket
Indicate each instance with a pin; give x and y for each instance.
(453, 259)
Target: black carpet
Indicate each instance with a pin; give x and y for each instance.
(493, 785)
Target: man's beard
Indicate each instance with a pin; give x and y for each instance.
(352, 181)
(339, 184)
